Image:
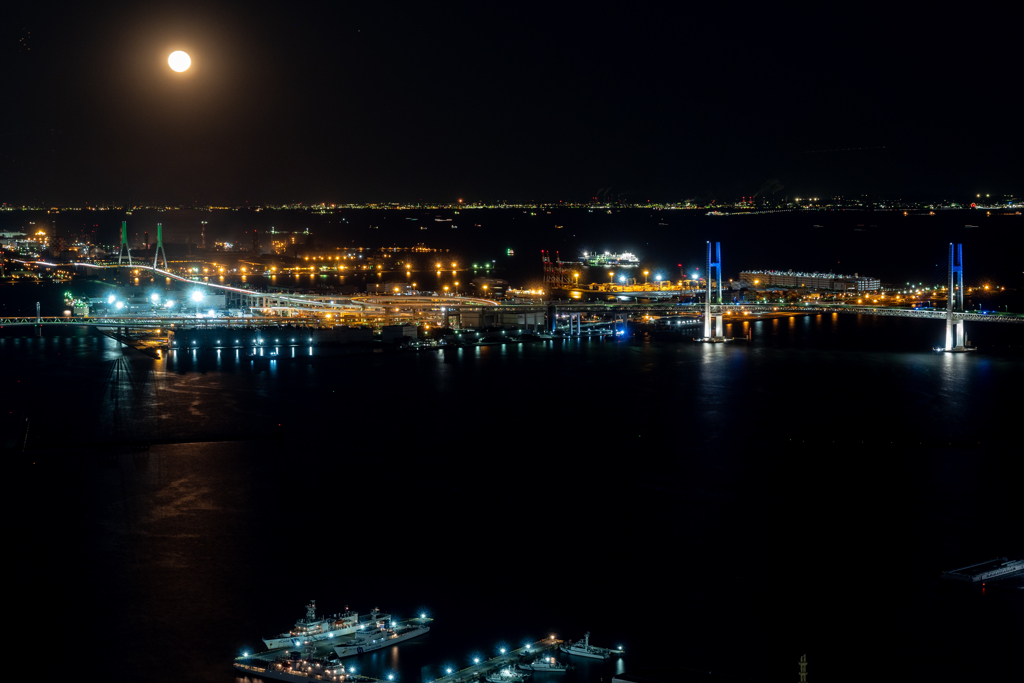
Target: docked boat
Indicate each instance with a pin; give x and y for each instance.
(583, 648)
(623, 260)
(295, 668)
(545, 664)
(311, 629)
(507, 675)
(368, 641)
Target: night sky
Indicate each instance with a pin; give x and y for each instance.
(352, 102)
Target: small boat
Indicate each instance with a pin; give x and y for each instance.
(583, 648)
(546, 664)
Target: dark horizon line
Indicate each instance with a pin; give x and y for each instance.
(753, 202)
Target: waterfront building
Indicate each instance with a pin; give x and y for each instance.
(831, 282)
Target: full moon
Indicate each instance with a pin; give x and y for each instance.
(179, 61)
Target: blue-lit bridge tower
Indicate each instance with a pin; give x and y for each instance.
(715, 309)
(955, 336)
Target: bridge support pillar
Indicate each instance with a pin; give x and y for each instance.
(552, 318)
(955, 336)
(713, 333)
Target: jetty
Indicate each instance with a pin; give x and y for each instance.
(992, 570)
(504, 660)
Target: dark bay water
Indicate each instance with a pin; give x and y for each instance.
(723, 508)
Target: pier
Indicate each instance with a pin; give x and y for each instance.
(992, 570)
(507, 659)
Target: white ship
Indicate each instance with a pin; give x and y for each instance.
(545, 664)
(311, 629)
(507, 675)
(369, 641)
(623, 260)
(583, 648)
(298, 670)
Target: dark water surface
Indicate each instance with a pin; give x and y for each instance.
(723, 508)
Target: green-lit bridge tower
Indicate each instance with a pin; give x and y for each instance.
(159, 246)
(124, 244)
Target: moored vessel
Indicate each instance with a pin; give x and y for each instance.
(583, 648)
(546, 664)
(623, 260)
(507, 675)
(311, 629)
(296, 668)
(369, 641)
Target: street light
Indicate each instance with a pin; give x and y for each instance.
(645, 278)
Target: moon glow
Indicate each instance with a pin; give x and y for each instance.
(179, 61)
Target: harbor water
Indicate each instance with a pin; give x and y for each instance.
(723, 508)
